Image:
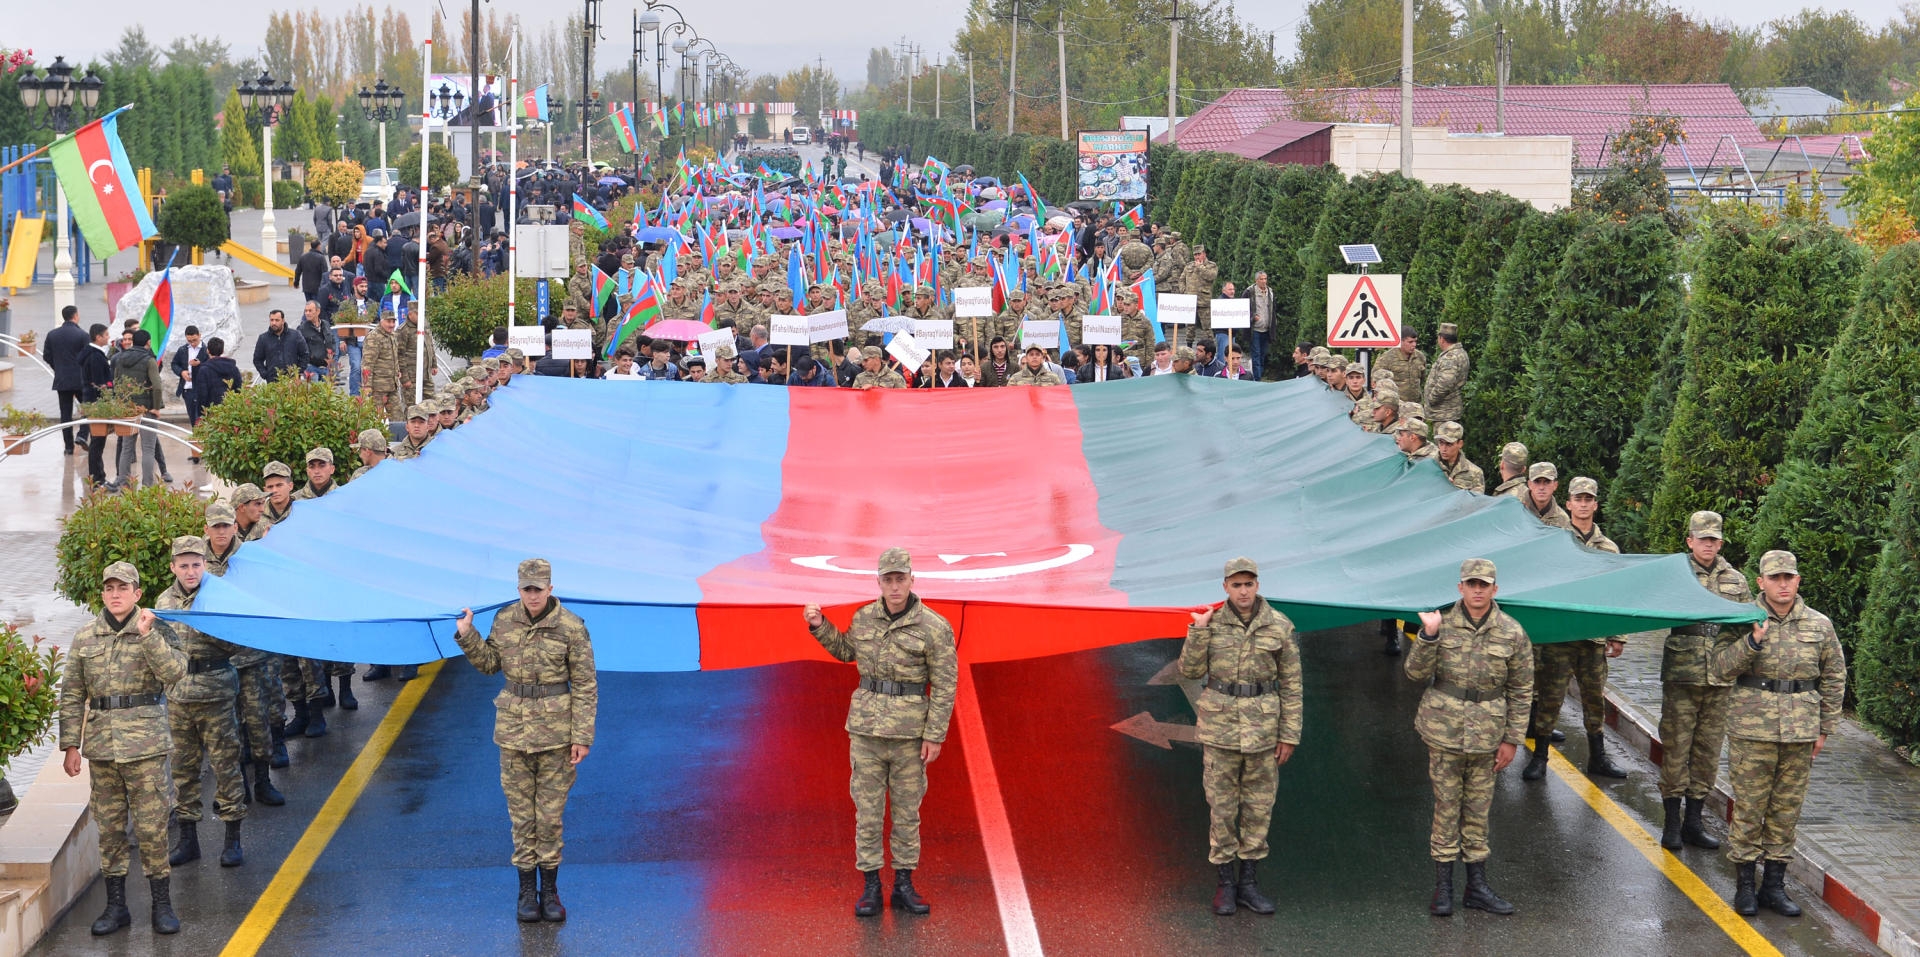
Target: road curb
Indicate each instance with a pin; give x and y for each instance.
(1813, 865)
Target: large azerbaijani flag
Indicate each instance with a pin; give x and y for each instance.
(1095, 542)
(101, 188)
(533, 104)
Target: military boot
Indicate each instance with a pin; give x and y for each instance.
(1480, 895)
(904, 896)
(527, 910)
(550, 906)
(347, 701)
(1537, 761)
(1224, 896)
(316, 721)
(377, 673)
(1442, 904)
(1247, 890)
(1554, 735)
(869, 903)
(116, 915)
(1693, 830)
(187, 846)
(1598, 764)
(263, 788)
(406, 672)
(1744, 902)
(326, 687)
(279, 757)
(164, 919)
(1773, 890)
(231, 855)
(1391, 629)
(1670, 829)
(298, 725)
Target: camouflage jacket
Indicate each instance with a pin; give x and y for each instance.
(307, 493)
(217, 564)
(1199, 279)
(916, 648)
(1259, 649)
(274, 516)
(1491, 657)
(1025, 376)
(407, 448)
(408, 343)
(1442, 395)
(554, 649)
(1553, 515)
(106, 659)
(255, 533)
(1801, 646)
(1690, 650)
(1362, 414)
(1136, 329)
(220, 684)
(859, 313)
(730, 377)
(380, 357)
(1425, 451)
(1515, 487)
(1410, 369)
(886, 379)
(1464, 474)
(1135, 257)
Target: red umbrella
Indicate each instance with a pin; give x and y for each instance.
(682, 330)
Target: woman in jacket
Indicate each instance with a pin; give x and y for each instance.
(1104, 366)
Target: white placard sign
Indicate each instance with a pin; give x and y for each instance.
(934, 333)
(788, 331)
(1100, 330)
(909, 351)
(573, 343)
(710, 343)
(973, 302)
(1044, 333)
(827, 326)
(531, 340)
(1177, 308)
(1232, 314)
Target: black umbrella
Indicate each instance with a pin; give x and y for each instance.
(412, 220)
(896, 215)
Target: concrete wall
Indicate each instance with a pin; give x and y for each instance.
(1538, 169)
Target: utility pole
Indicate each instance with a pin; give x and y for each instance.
(973, 121)
(1502, 51)
(936, 86)
(1060, 31)
(1173, 69)
(586, 80)
(1013, 65)
(1406, 87)
(912, 67)
(473, 104)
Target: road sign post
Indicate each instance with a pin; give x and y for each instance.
(1363, 312)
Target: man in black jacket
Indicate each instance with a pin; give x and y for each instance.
(311, 271)
(63, 351)
(95, 376)
(278, 349)
(373, 260)
(320, 339)
(218, 374)
(186, 365)
(137, 368)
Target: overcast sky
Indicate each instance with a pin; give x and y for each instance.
(768, 36)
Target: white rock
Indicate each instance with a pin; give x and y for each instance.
(203, 296)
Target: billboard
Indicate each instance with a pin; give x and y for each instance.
(1113, 166)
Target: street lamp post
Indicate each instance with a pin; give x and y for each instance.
(380, 104)
(266, 99)
(652, 21)
(446, 102)
(55, 102)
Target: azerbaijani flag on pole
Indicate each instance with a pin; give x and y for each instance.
(534, 104)
(1134, 218)
(101, 188)
(623, 128)
(644, 312)
(159, 318)
(585, 213)
(1039, 208)
(602, 291)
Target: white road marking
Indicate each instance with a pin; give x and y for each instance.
(996, 833)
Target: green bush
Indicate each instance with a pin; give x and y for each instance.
(1765, 304)
(1887, 661)
(280, 421)
(1293, 209)
(443, 169)
(1450, 218)
(1349, 214)
(138, 527)
(29, 690)
(192, 216)
(1500, 385)
(463, 317)
(1629, 502)
(288, 194)
(1493, 223)
(1829, 504)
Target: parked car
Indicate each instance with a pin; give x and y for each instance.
(377, 186)
(802, 135)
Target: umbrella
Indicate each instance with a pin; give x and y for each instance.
(659, 234)
(963, 168)
(985, 219)
(787, 232)
(412, 220)
(612, 181)
(682, 330)
(985, 181)
(896, 215)
(996, 205)
(889, 324)
(1087, 205)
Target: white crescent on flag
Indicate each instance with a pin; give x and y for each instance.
(96, 164)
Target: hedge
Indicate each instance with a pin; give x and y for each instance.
(1499, 384)
(280, 421)
(136, 526)
(1887, 660)
(1492, 225)
(1350, 214)
(1628, 503)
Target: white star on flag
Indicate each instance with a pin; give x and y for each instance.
(107, 188)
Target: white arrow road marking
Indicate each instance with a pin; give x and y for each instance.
(1170, 675)
(1160, 734)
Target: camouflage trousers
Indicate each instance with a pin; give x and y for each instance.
(882, 767)
(536, 784)
(1769, 785)
(1462, 799)
(139, 792)
(306, 678)
(387, 401)
(259, 708)
(1693, 722)
(204, 733)
(1240, 786)
(1553, 665)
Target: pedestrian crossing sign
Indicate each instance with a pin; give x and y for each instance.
(1363, 312)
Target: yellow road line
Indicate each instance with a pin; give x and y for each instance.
(265, 914)
(1682, 877)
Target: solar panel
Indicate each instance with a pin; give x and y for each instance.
(1363, 253)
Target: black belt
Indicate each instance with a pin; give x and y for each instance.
(1243, 689)
(198, 665)
(1467, 694)
(537, 691)
(901, 688)
(116, 701)
(1703, 630)
(1779, 685)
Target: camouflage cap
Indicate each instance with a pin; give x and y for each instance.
(1387, 397)
(1449, 432)
(1319, 352)
(276, 468)
(1413, 410)
(1705, 525)
(1017, 294)
(189, 545)
(1478, 570)
(725, 351)
(1183, 353)
(120, 572)
(320, 453)
(1539, 471)
(515, 355)
(1334, 362)
(371, 440)
(1582, 485)
(445, 406)
(537, 572)
(247, 493)
(1779, 562)
(1382, 376)
(1416, 426)
(871, 352)
(1449, 329)
(1357, 369)
(417, 411)
(1513, 455)
(472, 385)
(219, 513)
(922, 289)
(491, 363)
(1126, 297)
(896, 560)
(1239, 565)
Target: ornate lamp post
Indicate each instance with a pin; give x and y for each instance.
(266, 99)
(381, 104)
(58, 102)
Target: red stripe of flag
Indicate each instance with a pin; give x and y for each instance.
(111, 192)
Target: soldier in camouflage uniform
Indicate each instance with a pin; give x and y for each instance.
(113, 709)
(1444, 394)
(1407, 363)
(872, 301)
(1135, 257)
(1249, 715)
(1199, 279)
(1543, 479)
(311, 675)
(909, 672)
(1411, 437)
(1357, 391)
(259, 706)
(876, 374)
(200, 716)
(1033, 370)
(1693, 696)
(1385, 412)
(723, 367)
(543, 725)
(380, 366)
(1790, 679)
(1135, 329)
(1471, 717)
(409, 338)
(1513, 472)
(249, 511)
(277, 479)
(419, 432)
(373, 449)
(1461, 471)
(1006, 324)
(1582, 661)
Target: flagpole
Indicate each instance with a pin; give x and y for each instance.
(513, 171)
(420, 284)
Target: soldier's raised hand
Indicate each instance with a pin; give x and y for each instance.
(813, 616)
(1202, 616)
(1759, 632)
(1430, 622)
(144, 624)
(466, 619)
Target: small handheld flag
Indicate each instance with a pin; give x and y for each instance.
(585, 213)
